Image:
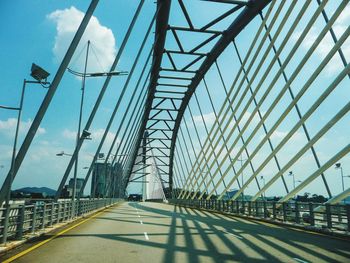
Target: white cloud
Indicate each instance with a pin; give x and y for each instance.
(209, 119)
(327, 42)
(102, 39)
(8, 127)
(68, 134)
(97, 135)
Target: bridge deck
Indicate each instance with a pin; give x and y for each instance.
(152, 232)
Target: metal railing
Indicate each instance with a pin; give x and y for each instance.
(332, 217)
(19, 219)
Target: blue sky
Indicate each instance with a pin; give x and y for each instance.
(39, 31)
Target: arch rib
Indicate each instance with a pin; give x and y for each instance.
(252, 9)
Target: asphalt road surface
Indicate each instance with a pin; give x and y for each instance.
(154, 232)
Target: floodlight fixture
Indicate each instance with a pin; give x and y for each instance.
(86, 135)
(62, 153)
(337, 165)
(39, 73)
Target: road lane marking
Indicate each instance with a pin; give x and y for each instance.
(232, 234)
(49, 239)
(300, 260)
(146, 236)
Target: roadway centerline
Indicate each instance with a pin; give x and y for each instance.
(231, 234)
(300, 260)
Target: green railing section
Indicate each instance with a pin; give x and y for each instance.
(19, 220)
(332, 217)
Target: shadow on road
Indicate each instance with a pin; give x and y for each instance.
(199, 236)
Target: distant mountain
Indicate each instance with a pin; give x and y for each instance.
(41, 190)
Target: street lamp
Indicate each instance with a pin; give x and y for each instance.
(39, 73)
(292, 174)
(85, 75)
(40, 76)
(338, 166)
(263, 179)
(241, 160)
(63, 153)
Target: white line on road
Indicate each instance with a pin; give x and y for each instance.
(232, 234)
(146, 236)
(300, 260)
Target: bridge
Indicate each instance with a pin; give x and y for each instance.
(216, 130)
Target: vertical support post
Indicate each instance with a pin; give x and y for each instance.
(284, 207)
(33, 219)
(312, 215)
(256, 208)
(339, 209)
(79, 207)
(20, 222)
(265, 209)
(249, 208)
(297, 214)
(58, 212)
(43, 221)
(328, 216)
(6, 224)
(52, 213)
(347, 208)
(274, 210)
(65, 217)
(144, 159)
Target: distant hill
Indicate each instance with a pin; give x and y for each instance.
(41, 190)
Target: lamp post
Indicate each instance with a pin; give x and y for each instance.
(241, 160)
(338, 166)
(292, 174)
(62, 153)
(40, 76)
(263, 179)
(85, 75)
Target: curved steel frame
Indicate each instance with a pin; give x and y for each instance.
(251, 10)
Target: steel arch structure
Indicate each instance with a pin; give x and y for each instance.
(163, 131)
(166, 135)
(263, 114)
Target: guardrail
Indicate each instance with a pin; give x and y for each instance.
(18, 219)
(335, 217)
